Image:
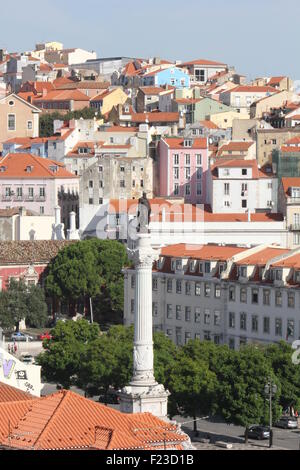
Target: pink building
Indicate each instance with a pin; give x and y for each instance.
(183, 164)
(38, 184)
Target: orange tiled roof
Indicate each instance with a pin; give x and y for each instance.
(204, 252)
(155, 117)
(296, 117)
(251, 89)
(289, 182)
(121, 129)
(235, 147)
(63, 95)
(188, 100)
(200, 62)
(275, 80)
(151, 90)
(66, 420)
(294, 140)
(9, 393)
(15, 165)
(209, 124)
(263, 256)
(178, 143)
(290, 262)
(290, 149)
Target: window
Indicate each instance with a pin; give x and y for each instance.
(100, 169)
(42, 210)
(206, 317)
(11, 122)
(169, 285)
(278, 327)
(199, 189)
(207, 267)
(169, 310)
(255, 296)
(206, 290)
(274, 141)
(226, 189)
(200, 75)
(199, 173)
(187, 159)
(266, 323)
(266, 297)
(122, 169)
(91, 184)
(133, 183)
(217, 318)
(244, 171)
(29, 125)
(243, 295)
(243, 321)
(290, 332)
(197, 315)
(232, 293)
(100, 184)
(178, 312)
(132, 306)
(187, 313)
(178, 336)
(244, 203)
(176, 159)
(199, 159)
(154, 284)
(19, 192)
(291, 299)
(30, 193)
(231, 319)
(169, 332)
(278, 298)
(187, 288)
(231, 343)
(178, 287)
(176, 173)
(197, 288)
(176, 189)
(217, 291)
(188, 336)
(255, 323)
(187, 189)
(154, 309)
(207, 336)
(142, 183)
(42, 192)
(91, 200)
(187, 173)
(122, 183)
(133, 281)
(217, 339)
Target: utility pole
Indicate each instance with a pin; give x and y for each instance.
(270, 391)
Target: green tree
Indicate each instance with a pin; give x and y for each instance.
(288, 374)
(192, 386)
(89, 268)
(46, 120)
(61, 359)
(20, 302)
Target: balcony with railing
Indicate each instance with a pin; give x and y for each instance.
(293, 200)
(295, 227)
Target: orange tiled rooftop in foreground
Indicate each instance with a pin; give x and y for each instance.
(207, 252)
(66, 421)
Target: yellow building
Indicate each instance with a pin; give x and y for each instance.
(224, 120)
(107, 99)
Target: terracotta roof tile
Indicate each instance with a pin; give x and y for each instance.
(62, 95)
(9, 393)
(155, 117)
(203, 252)
(201, 62)
(178, 143)
(15, 165)
(33, 251)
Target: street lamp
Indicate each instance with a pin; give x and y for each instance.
(270, 391)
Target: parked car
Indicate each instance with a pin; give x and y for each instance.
(27, 358)
(18, 336)
(287, 422)
(45, 335)
(258, 432)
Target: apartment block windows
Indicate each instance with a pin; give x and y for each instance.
(176, 189)
(206, 290)
(199, 173)
(188, 336)
(217, 291)
(278, 327)
(200, 75)
(42, 192)
(122, 183)
(290, 332)
(266, 297)
(187, 173)
(291, 299)
(91, 184)
(254, 294)
(266, 325)
(176, 159)
(187, 189)
(243, 295)
(178, 312)
(169, 285)
(11, 124)
(187, 313)
(199, 159)
(178, 287)
(199, 189)
(197, 288)
(243, 321)
(154, 309)
(30, 193)
(244, 189)
(232, 293)
(154, 284)
(187, 159)
(132, 306)
(226, 189)
(255, 323)
(231, 320)
(278, 298)
(197, 315)
(206, 317)
(42, 210)
(217, 317)
(132, 282)
(19, 192)
(176, 173)
(244, 203)
(187, 288)
(169, 311)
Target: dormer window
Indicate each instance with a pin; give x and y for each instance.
(192, 266)
(242, 271)
(83, 150)
(222, 267)
(207, 267)
(297, 276)
(173, 264)
(53, 168)
(295, 192)
(29, 169)
(276, 274)
(3, 168)
(187, 143)
(178, 264)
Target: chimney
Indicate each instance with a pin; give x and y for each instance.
(72, 221)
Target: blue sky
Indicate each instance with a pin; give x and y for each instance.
(258, 37)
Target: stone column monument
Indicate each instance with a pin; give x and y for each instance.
(143, 393)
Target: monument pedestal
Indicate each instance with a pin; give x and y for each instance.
(143, 394)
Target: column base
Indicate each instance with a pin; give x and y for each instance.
(141, 399)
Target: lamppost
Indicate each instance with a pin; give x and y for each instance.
(270, 391)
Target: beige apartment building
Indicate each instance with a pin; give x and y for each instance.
(264, 105)
(18, 118)
(268, 140)
(289, 206)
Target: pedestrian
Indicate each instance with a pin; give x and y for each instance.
(296, 413)
(15, 348)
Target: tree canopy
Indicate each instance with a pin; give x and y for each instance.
(46, 120)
